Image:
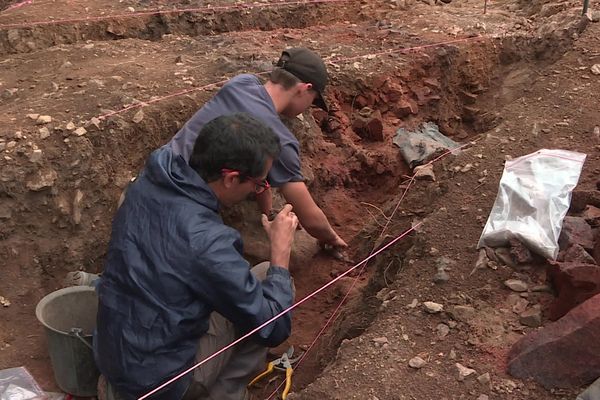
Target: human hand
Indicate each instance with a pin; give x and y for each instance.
(281, 234)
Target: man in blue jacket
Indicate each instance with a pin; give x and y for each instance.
(176, 287)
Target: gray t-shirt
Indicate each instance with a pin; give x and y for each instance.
(245, 93)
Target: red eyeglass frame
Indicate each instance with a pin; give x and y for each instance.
(262, 184)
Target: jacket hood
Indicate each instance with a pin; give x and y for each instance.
(172, 173)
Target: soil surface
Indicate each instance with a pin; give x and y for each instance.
(120, 84)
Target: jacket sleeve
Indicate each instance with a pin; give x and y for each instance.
(222, 278)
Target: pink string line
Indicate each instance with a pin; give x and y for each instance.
(335, 314)
(278, 315)
(337, 60)
(18, 5)
(206, 9)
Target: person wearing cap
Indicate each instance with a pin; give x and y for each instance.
(297, 82)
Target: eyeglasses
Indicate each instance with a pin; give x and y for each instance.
(260, 185)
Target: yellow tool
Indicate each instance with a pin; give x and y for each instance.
(283, 363)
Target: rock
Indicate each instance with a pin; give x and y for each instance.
(504, 255)
(138, 117)
(482, 260)
(4, 301)
(65, 65)
(44, 132)
(591, 393)
(424, 172)
(462, 313)
(483, 397)
(441, 277)
(70, 126)
(563, 354)
(43, 119)
(574, 283)
(516, 285)
(442, 330)
(43, 179)
(11, 145)
(80, 131)
(417, 363)
(519, 252)
(77, 206)
(531, 317)
(36, 156)
(484, 379)
(433, 308)
(96, 122)
(591, 215)
(576, 254)
(452, 354)
(518, 303)
(575, 230)
(464, 372)
(595, 69)
(467, 168)
(581, 198)
(33, 116)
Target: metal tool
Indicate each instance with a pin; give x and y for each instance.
(283, 363)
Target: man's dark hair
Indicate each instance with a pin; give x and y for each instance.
(284, 78)
(236, 141)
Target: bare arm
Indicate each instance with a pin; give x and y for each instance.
(265, 201)
(310, 215)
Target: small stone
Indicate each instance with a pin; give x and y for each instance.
(441, 277)
(442, 330)
(452, 355)
(4, 301)
(36, 156)
(43, 119)
(44, 133)
(417, 363)
(414, 303)
(380, 340)
(80, 131)
(504, 255)
(77, 207)
(467, 168)
(483, 397)
(33, 116)
(138, 117)
(516, 285)
(96, 122)
(463, 313)
(130, 9)
(484, 379)
(531, 317)
(433, 308)
(464, 372)
(425, 172)
(71, 126)
(11, 144)
(595, 69)
(42, 180)
(66, 64)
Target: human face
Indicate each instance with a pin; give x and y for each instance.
(240, 187)
(260, 185)
(303, 97)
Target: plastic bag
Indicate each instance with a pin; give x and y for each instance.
(533, 198)
(18, 384)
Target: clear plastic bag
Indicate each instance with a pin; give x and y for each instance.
(18, 384)
(532, 201)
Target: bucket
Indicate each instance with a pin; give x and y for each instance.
(69, 318)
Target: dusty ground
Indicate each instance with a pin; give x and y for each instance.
(505, 80)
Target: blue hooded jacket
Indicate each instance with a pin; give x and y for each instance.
(171, 262)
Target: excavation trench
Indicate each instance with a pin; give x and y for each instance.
(357, 179)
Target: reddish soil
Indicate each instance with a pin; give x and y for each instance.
(528, 63)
